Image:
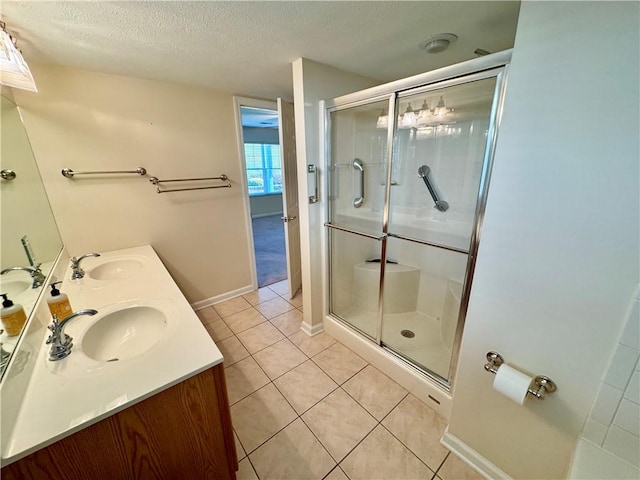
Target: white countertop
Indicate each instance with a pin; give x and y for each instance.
(70, 394)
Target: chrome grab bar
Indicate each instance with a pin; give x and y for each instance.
(358, 165)
(67, 172)
(156, 181)
(441, 205)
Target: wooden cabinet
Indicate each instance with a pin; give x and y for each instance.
(183, 432)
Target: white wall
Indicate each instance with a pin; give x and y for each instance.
(559, 254)
(91, 121)
(313, 82)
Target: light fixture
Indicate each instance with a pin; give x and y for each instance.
(441, 109)
(383, 120)
(14, 71)
(438, 43)
(424, 115)
(408, 119)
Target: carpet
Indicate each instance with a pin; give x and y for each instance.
(268, 242)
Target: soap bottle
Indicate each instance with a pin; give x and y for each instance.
(13, 316)
(58, 302)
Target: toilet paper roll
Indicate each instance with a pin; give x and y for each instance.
(512, 383)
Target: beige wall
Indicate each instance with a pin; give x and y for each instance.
(89, 121)
(559, 254)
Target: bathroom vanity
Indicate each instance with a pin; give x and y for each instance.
(182, 432)
(141, 395)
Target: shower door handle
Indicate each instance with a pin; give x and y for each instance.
(314, 170)
(358, 165)
(424, 172)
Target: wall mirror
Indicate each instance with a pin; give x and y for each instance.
(26, 220)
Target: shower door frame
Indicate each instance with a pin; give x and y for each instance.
(490, 66)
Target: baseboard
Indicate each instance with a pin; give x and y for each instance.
(311, 331)
(472, 458)
(207, 302)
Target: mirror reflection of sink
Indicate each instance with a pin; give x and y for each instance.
(116, 269)
(124, 333)
(13, 288)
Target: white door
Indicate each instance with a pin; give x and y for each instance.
(290, 194)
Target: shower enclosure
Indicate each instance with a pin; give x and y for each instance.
(408, 166)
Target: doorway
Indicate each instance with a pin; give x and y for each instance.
(266, 145)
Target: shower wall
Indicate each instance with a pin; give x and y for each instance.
(454, 153)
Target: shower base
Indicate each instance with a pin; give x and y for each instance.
(426, 348)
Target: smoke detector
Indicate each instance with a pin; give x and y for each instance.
(438, 43)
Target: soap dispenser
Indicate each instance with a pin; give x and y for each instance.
(13, 316)
(58, 302)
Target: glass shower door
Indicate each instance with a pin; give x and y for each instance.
(439, 161)
(357, 172)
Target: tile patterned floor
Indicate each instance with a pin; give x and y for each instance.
(309, 408)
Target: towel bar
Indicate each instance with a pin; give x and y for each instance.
(67, 172)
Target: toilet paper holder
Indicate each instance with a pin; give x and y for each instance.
(541, 385)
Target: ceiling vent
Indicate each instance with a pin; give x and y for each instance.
(438, 43)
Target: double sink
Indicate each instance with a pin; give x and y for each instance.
(121, 330)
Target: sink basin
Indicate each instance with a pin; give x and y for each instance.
(13, 288)
(124, 334)
(116, 269)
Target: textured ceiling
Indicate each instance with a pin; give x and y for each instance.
(247, 47)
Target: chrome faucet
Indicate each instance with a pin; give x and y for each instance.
(75, 265)
(35, 272)
(61, 343)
